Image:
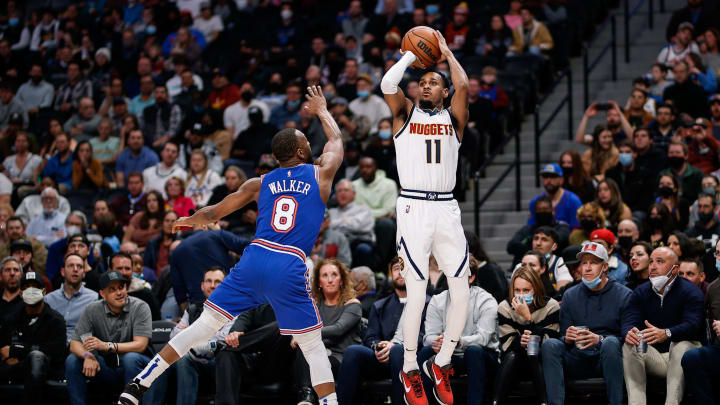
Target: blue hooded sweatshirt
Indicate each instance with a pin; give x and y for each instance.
(601, 311)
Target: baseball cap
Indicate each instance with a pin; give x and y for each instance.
(21, 244)
(110, 277)
(703, 122)
(366, 77)
(552, 169)
(31, 277)
(594, 249)
(199, 128)
(686, 25)
(78, 238)
(338, 101)
(218, 72)
(569, 254)
(603, 234)
(15, 118)
(255, 110)
(715, 99)
(105, 52)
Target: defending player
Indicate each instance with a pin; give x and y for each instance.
(291, 201)
(427, 139)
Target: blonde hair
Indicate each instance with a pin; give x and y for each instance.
(180, 180)
(201, 179)
(347, 292)
(526, 273)
(595, 210)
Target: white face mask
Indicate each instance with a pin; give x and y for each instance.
(660, 282)
(72, 230)
(286, 14)
(32, 295)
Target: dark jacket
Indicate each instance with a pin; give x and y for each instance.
(688, 97)
(681, 311)
(44, 332)
(653, 161)
(601, 311)
(637, 192)
(384, 319)
(705, 20)
(521, 242)
(699, 230)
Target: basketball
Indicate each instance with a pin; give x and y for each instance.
(422, 43)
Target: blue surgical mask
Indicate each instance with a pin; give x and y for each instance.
(140, 276)
(293, 104)
(527, 297)
(547, 256)
(385, 134)
(150, 30)
(14, 21)
(592, 283)
(198, 108)
(363, 93)
(625, 159)
(717, 266)
(432, 9)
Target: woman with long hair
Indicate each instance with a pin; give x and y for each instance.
(176, 199)
(602, 154)
(87, 172)
(527, 311)
(146, 224)
(496, 40)
(680, 244)
(201, 180)
(576, 178)
(610, 200)
(658, 225)
(669, 195)
(537, 262)
(639, 264)
(591, 217)
(23, 167)
(241, 221)
(711, 49)
(701, 75)
(48, 143)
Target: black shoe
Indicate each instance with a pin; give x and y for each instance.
(132, 394)
(306, 396)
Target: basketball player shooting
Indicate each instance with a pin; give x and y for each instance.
(291, 202)
(427, 139)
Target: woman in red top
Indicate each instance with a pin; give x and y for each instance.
(176, 200)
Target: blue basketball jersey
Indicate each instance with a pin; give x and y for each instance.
(290, 209)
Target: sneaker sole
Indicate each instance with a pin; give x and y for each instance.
(430, 376)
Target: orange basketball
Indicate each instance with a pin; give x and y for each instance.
(422, 43)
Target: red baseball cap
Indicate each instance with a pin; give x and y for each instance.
(603, 234)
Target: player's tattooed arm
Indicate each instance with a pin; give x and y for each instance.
(247, 192)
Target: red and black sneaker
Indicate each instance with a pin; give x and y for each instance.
(413, 386)
(440, 376)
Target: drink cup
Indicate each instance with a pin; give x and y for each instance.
(533, 345)
(85, 337)
(642, 347)
(579, 329)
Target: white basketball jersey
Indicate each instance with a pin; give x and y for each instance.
(426, 149)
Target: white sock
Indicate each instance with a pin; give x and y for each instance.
(412, 318)
(330, 399)
(456, 316)
(153, 370)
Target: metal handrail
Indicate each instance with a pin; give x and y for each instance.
(540, 129)
(588, 67)
(628, 14)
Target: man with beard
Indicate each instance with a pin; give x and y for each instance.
(661, 130)
(32, 343)
(689, 176)
(50, 226)
(10, 274)
(615, 122)
(15, 228)
(160, 121)
(565, 203)
(707, 226)
(649, 156)
(156, 176)
(521, 242)
(59, 166)
(83, 125)
(636, 191)
(236, 116)
(199, 139)
(381, 354)
(135, 158)
(79, 245)
(224, 93)
(36, 94)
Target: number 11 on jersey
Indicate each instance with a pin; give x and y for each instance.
(428, 145)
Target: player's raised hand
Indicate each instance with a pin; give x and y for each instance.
(180, 223)
(417, 64)
(444, 49)
(316, 100)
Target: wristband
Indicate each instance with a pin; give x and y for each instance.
(84, 356)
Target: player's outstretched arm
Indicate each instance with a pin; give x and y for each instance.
(394, 96)
(459, 102)
(212, 213)
(333, 152)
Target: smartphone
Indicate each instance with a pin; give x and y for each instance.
(378, 348)
(603, 106)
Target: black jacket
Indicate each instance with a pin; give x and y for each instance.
(521, 242)
(637, 192)
(688, 97)
(44, 332)
(705, 21)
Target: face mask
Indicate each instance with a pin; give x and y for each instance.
(704, 218)
(136, 275)
(328, 96)
(660, 282)
(432, 9)
(385, 134)
(567, 171)
(543, 218)
(72, 230)
(363, 93)
(655, 222)
(274, 87)
(665, 192)
(150, 30)
(36, 79)
(717, 266)
(14, 21)
(625, 159)
(675, 162)
(547, 256)
(592, 284)
(32, 295)
(588, 225)
(709, 190)
(286, 14)
(703, 151)
(625, 242)
(527, 297)
(293, 104)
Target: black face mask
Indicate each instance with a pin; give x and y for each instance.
(705, 218)
(274, 87)
(567, 171)
(655, 222)
(588, 225)
(625, 242)
(675, 162)
(247, 95)
(665, 192)
(543, 218)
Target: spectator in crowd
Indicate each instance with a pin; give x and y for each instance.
(459, 32)
(183, 80)
(106, 147)
(126, 206)
(84, 124)
(531, 36)
(681, 44)
(75, 224)
(569, 255)
(649, 156)
(368, 105)
(700, 74)
(526, 312)
(122, 263)
(254, 141)
(565, 203)
(242, 220)
(710, 185)
(363, 280)
(380, 355)
(663, 128)
(11, 272)
(639, 264)
(120, 328)
(50, 226)
(382, 149)
(617, 269)
(157, 251)
(355, 221)
(496, 39)
(45, 34)
(610, 200)
(156, 176)
(635, 111)
(594, 349)
(668, 314)
(208, 24)
(686, 96)
(477, 351)
(32, 346)
(693, 271)
(146, 224)
(10, 105)
(146, 97)
(176, 199)
(703, 147)
(521, 241)
(69, 94)
(707, 226)
(236, 116)
(545, 241)
(331, 244)
(701, 17)
(374, 190)
(575, 177)
(59, 166)
(289, 110)
(689, 176)
(87, 171)
(627, 234)
(161, 120)
(635, 191)
(615, 122)
(15, 227)
(36, 94)
(23, 167)
(658, 225)
(347, 80)
(490, 276)
(659, 80)
(591, 217)
(72, 297)
(199, 139)
(224, 93)
(201, 180)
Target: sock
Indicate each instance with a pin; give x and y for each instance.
(152, 371)
(411, 319)
(330, 399)
(456, 317)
